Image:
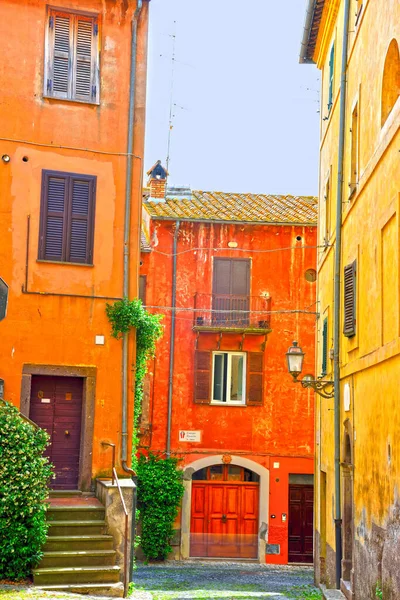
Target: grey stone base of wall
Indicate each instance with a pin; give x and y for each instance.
(108, 495)
(332, 594)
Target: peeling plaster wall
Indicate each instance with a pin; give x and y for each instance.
(281, 431)
(58, 330)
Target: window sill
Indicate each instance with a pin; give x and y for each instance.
(73, 100)
(236, 404)
(64, 262)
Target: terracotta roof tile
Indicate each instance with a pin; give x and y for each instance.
(221, 206)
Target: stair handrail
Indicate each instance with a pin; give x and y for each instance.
(126, 574)
(113, 458)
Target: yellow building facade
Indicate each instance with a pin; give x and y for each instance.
(364, 74)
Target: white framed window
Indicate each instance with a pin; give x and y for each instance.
(228, 378)
(72, 57)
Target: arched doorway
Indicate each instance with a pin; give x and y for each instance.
(224, 512)
(347, 474)
(261, 499)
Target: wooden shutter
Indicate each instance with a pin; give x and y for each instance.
(202, 377)
(324, 369)
(240, 277)
(85, 54)
(60, 38)
(81, 217)
(254, 378)
(53, 221)
(142, 288)
(67, 217)
(349, 328)
(331, 76)
(72, 57)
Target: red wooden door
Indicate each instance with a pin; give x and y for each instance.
(301, 510)
(56, 405)
(224, 521)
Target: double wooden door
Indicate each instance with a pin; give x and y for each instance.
(301, 517)
(224, 520)
(56, 406)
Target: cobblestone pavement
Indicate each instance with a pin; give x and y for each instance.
(194, 580)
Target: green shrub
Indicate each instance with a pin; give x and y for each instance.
(24, 476)
(160, 490)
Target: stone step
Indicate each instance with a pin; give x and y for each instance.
(75, 513)
(114, 590)
(76, 575)
(77, 558)
(67, 528)
(64, 493)
(59, 543)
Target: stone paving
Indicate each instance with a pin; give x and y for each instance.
(195, 580)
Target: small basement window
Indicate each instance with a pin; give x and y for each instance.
(228, 377)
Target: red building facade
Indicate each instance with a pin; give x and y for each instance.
(234, 275)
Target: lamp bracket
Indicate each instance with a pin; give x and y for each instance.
(324, 388)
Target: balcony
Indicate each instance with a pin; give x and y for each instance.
(215, 312)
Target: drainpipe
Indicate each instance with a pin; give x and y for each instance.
(337, 332)
(172, 341)
(127, 226)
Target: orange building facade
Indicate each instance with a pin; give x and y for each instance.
(234, 275)
(72, 136)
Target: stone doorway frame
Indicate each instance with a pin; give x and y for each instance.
(208, 461)
(347, 580)
(88, 374)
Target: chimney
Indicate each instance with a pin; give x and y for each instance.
(157, 182)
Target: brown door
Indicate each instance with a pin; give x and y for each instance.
(224, 521)
(56, 405)
(231, 290)
(301, 508)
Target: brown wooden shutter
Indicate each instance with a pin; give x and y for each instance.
(53, 222)
(67, 217)
(80, 230)
(240, 277)
(202, 377)
(255, 361)
(349, 328)
(142, 288)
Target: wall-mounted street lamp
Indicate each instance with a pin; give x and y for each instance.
(295, 358)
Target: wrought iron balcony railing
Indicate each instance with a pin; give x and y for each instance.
(228, 311)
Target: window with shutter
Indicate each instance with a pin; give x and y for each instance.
(202, 376)
(255, 378)
(72, 57)
(350, 272)
(67, 217)
(324, 368)
(331, 76)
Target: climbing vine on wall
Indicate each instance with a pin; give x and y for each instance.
(124, 315)
(160, 486)
(160, 490)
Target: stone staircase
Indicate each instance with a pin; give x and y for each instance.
(78, 556)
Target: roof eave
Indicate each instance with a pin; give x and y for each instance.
(311, 15)
(230, 222)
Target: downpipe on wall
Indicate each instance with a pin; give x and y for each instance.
(127, 228)
(172, 341)
(338, 249)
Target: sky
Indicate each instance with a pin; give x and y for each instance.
(245, 113)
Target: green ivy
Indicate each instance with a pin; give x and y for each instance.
(24, 477)
(378, 591)
(124, 315)
(160, 487)
(160, 490)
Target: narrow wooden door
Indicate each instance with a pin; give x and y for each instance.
(301, 509)
(56, 405)
(224, 520)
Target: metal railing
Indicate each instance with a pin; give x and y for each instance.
(232, 311)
